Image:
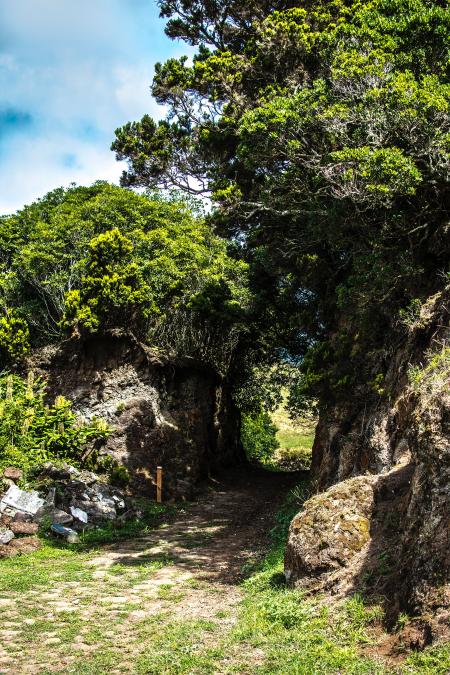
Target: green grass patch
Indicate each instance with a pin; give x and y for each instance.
(47, 566)
(304, 636)
(295, 439)
(433, 661)
(177, 648)
(170, 593)
(109, 533)
(291, 439)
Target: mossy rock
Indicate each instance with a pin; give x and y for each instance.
(332, 528)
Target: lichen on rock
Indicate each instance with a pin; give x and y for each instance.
(332, 530)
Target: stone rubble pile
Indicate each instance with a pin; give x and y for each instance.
(67, 502)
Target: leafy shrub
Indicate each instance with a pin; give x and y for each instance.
(32, 432)
(434, 374)
(14, 337)
(100, 257)
(410, 315)
(293, 459)
(113, 291)
(119, 475)
(258, 435)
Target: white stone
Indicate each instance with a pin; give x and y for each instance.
(5, 535)
(26, 502)
(79, 514)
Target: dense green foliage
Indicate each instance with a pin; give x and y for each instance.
(90, 259)
(258, 435)
(322, 130)
(14, 336)
(32, 432)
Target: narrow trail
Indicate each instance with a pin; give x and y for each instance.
(215, 537)
(186, 570)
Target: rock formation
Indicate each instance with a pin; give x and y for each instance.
(381, 523)
(173, 413)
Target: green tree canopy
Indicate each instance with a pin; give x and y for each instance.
(321, 129)
(100, 257)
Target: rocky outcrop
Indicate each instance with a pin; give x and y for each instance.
(171, 413)
(398, 443)
(346, 539)
(331, 534)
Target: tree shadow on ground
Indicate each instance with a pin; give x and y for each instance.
(217, 538)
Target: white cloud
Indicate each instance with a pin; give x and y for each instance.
(77, 70)
(39, 166)
(63, 27)
(132, 92)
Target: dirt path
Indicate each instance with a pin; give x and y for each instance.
(183, 575)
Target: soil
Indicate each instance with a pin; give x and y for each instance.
(205, 552)
(220, 535)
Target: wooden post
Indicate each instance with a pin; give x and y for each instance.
(159, 484)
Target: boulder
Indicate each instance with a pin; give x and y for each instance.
(6, 535)
(7, 551)
(330, 534)
(25, 545)
(12, 473)
(55, 515)
(19, 527)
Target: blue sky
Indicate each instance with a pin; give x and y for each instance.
(71, 71)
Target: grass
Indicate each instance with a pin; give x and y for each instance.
(295, 440)
(170, 593)
(66, 619)
(178, 647)
(47, 566)
(433, 661)
(53, 601)
(152, 515)
(301, 636)
(298, 635)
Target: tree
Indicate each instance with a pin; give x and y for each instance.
(91, 259)
(112, 291)
(14, 337)
(322, 131)
(258, 436)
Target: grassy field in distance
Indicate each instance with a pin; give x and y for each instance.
(295, 438)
